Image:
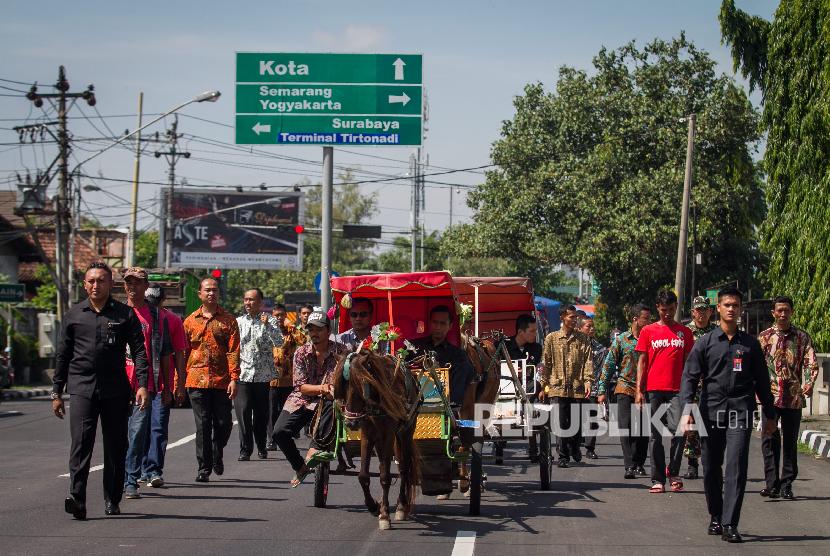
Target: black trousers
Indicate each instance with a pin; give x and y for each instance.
(771, 447)
(725, 487)
(290, 424)
(670, 419)
(212, 411)
(634, 446)
(276, 400)
(568, 411)
(251, 405)
(83, 424)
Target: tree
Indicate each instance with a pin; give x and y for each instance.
(591, 174)
(350, 206)
(399, 258)
(46, 294)
(146, 249)
(787, 60)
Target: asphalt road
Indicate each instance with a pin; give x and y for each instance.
(252, 510)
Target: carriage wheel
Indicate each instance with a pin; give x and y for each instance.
(545, 457)
(321, 484)
(475, 479)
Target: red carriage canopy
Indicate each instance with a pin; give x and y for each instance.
(500, 301)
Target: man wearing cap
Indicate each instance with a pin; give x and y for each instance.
(212, 374)
(700, 325)
(160, 379)
(152, 466)
(314, 365)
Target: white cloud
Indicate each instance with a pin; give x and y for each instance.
(354, 38)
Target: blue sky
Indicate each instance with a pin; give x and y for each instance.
(477, 57)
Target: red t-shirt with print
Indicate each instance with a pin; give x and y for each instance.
(666, 347)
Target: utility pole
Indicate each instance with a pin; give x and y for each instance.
(62, 201)
(172, 155)
(136, 168)
(413, 170)
(327, 202)
(683, 239)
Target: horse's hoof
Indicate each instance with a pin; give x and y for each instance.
(400, 515)
(384, 524)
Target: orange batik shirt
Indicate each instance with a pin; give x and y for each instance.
(213, 353)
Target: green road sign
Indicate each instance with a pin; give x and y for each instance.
(327, 130)
(328, 99)
(12, 293)
(295, 98)
(304, 67)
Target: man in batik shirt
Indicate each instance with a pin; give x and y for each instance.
(793, 370)
(701, 324)
(620, 366)
(259, 334)
(212, 375)
(598, 352)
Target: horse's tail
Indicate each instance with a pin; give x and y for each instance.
(410, 459)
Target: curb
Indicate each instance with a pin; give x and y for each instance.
(23, 394)
(818, 441)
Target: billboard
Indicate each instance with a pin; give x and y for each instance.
(223, 229)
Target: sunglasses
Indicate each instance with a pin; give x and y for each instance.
(359, 315)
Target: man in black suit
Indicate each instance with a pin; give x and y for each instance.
(91, 359)
(731, 365)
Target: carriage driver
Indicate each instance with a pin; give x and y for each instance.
(462, 372)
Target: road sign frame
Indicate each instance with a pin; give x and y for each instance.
(371, 129)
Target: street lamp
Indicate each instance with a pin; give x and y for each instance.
(207, 96)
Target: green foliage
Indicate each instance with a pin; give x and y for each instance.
(399, 258)
(591, 175)
(350, 206)
(795, 81)
(748, 38)
(146, 249)
(46, 294)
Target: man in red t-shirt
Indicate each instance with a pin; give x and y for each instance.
(663, 347)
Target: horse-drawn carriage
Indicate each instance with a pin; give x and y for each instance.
(496, 303)
(398, 404)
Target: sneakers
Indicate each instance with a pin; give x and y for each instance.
(590, 454)
(629, 473)
(691, 473)
(131, 492)
(156, 481)
(640, 471)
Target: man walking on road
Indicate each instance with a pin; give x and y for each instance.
(700, 325)
(259, 334)
(731, 365)
(90, 358)
(791, 361)
(567, 374)
(160, 380)
(292, 338)
(621, 362)
(212, 375)
(663, 347)
(598, 353)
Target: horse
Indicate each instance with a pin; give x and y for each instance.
(379, 395)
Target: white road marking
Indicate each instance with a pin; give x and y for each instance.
(465, 543)
(176, 444)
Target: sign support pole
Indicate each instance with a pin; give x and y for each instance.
(326, 198)
(682, 240)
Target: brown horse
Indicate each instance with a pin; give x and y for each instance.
(380, 396)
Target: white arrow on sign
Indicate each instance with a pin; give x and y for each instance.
(399, 99)
(261, 128)
(399, 64)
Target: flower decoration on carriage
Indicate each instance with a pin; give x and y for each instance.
(465, 312)
(380, 336)
(408, 347)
